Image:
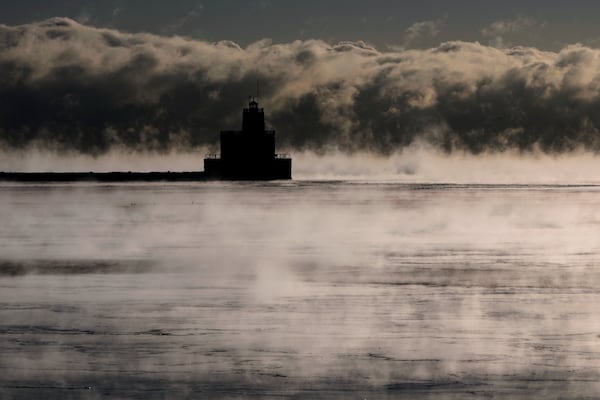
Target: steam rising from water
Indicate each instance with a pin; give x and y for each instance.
(398, 270)
(296, 288)
(416, 164)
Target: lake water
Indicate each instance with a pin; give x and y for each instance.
(302, 289)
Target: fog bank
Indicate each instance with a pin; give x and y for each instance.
(70, 87)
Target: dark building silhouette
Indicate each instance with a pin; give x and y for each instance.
(249, 154)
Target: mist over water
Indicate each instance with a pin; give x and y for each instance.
(439, 239)
(304, 289)
(419, 163)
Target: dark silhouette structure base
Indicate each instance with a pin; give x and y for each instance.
(272, 170)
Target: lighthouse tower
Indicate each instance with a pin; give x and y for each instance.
(249, 154)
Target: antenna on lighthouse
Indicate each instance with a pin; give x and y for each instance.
(257, 90)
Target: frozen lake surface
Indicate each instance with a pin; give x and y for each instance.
(302, 289)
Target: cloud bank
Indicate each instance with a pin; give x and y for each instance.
(70, 87)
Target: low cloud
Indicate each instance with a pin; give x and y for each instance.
(421, 31)
(503, 33)
(69, 87)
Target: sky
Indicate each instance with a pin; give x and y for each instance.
(543, 24)
(377, 76)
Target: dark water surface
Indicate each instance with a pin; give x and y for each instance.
(309, 290)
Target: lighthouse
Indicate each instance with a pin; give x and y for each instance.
(249, 153)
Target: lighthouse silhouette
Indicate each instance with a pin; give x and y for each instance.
(249, 154)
